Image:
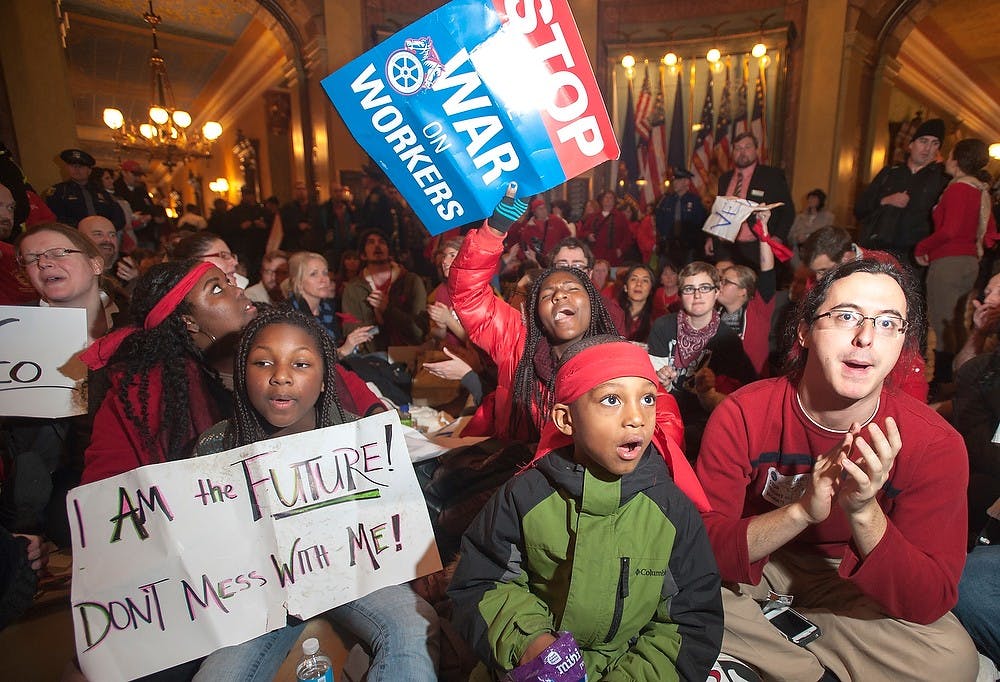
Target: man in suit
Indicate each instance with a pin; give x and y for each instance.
(759, 183)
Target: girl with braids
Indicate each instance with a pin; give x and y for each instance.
(284, 384)
(163, 391)
(562, 308)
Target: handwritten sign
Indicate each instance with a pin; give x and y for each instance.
(728, 213)
(472, 96)
(40, 373)
(173, 561)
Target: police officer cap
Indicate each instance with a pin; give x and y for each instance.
(77, 157)
(682, 175)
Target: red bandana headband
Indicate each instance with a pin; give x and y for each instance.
(102, 349)
(597, 364)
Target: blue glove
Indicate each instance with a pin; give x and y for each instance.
(508, 210)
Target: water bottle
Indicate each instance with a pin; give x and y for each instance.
(315, 666)
(404, 415)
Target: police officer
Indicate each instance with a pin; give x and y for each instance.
(680, 216)
(74, 199)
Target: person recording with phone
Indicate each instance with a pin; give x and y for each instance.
(842, 497)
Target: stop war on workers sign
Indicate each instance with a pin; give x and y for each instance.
(472, 96)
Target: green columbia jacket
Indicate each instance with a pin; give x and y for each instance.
(624, 564)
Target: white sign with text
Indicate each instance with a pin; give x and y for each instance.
(173, 561)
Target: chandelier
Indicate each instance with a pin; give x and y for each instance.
(166, 134)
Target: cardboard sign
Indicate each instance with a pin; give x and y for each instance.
(40, 373)
(173, 561)
(728, 213)
(472, 96)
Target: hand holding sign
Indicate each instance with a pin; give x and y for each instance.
(508, 211)
(728, 213)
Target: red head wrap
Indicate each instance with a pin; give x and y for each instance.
(102, 349)
(597, 364)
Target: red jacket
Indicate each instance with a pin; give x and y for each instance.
(498, 329)
(611, 235)
(956, 223)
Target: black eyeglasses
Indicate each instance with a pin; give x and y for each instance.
(885, 325)
(224, 255)
(701, 289)
(57, 253)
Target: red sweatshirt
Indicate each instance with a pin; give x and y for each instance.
(759, 436)
(956, 222)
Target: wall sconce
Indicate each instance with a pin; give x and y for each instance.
(713, 56)
(758, 50)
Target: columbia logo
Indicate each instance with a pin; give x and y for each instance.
(651, 572)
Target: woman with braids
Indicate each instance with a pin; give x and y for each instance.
(562, 308)
(284, 384)
(163, 390)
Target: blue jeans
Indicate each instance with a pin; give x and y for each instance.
(399, 630)
(255, 661)
(979, 599)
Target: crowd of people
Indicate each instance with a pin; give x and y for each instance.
(704, 456)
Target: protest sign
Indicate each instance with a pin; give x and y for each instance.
(472, 96)
(728, 213)
(40, 373)
(174, 561)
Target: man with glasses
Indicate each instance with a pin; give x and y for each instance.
(837, 494)
(895, 209)
(756, 182)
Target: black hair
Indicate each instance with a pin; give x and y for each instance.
(646, 314)
(193, 246)
(820, 195)
(168, 348)
(573, 243)
(527, 391)
(807, 308)
(247, 426)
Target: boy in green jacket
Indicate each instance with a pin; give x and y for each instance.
(593, 540)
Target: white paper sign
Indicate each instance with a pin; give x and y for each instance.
(728, 213)
(173, 561)
(40, 373)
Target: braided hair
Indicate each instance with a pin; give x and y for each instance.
(247, 426)
(528, 390)
(169, 348)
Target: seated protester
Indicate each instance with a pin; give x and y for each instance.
(592, 544)
(164, 390)
(667, 297)
(44, 457)
(574, 253)
(747, 302)
(386, 295)
(285, 353)
(562, 308)
(540, 233)
(600, 275)
(985, 323)
(978, 606)
(828, 247)
(209, 247)
(311, 292)
(828, 486)
(273, 272)
(976, 414)
(350, 266)
(636, 299)
(445, 326)
(707, 360)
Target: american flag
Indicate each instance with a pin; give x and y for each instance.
(722, 129)
(758, 123)
(651, 129)
(702, 154)
(740, 115)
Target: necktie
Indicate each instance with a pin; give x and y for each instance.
(89, 201)
(739, 184)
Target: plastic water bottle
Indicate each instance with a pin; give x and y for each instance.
(315, 666)
(404, 415)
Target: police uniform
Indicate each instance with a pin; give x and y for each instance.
(72, 202)
(679, 219)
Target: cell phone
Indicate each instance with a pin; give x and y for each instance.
(374, 330)
(793, 625)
